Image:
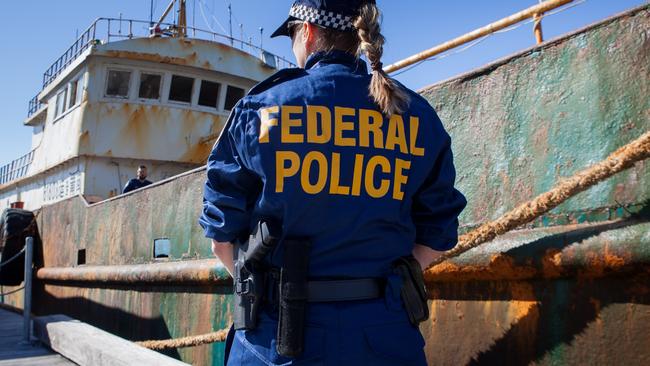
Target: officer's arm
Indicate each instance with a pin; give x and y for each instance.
(425, 255)
(437, 204)
(231, 189)
(224, 251)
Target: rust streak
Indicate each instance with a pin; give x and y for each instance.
(147, 57)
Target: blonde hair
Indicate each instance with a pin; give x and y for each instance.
(385, 91)
(389, 96)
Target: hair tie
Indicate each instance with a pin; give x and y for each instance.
(377, 66)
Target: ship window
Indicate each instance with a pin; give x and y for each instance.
(60, 103)
(233, 95)
(181, 89)
(149, 86)
(118, 83)
(73, 93)
(209, 95)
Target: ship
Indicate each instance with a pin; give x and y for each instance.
(128, 93)
(570, 287)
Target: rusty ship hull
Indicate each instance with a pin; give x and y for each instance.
(571, 288)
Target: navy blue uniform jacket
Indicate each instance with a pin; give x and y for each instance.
(308, 149)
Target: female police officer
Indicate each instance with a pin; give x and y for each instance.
(357, 166)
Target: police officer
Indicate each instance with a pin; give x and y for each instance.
(355, 165)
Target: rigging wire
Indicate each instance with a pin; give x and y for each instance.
(202, 9)
(476, 42)
(241, 24)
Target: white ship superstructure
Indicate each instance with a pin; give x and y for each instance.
(111, 104)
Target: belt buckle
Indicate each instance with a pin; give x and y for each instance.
(244, 287)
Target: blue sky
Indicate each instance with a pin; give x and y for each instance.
(36, 32)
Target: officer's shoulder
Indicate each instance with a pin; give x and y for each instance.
(276, 79)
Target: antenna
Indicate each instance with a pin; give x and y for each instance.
(194, 18)
(230, 22)
(241, 34)
(262, 39)
(151, 15)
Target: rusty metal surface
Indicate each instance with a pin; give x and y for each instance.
(148, 132)
(523, 123)
(615, 248)
(560, 322)
(572, 251)
(187, 273)
(197, 53)
(122, 230)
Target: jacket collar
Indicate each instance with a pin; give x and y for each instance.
(321, 58)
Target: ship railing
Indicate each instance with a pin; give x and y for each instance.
(16, 169)
(119, 28)
(111, 29)
(85, 40)
(35, 105)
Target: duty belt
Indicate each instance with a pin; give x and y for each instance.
(333, 290)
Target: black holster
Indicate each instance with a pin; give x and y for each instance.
(414, 291)
(250, 276)
(293, 298)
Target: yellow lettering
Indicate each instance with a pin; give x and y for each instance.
(396, 135)
(400, 178)
(288, 123)
(335, 185)
(415, 126)
(313, 111)
(366, 128)
(356, 179)
(266, 122)
(384, 186)
(319, 158)
(282, 170)
(341, 126)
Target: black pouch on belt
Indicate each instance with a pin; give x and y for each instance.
(293, 297)
(414, 291)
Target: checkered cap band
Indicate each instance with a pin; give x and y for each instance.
(323, 18)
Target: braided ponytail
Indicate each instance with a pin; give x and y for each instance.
(388, 95)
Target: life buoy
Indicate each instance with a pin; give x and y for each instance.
(15, 226)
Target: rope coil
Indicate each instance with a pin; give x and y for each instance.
(622, 159)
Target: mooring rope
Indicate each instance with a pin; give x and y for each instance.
(22, 251)
(622, 159)
(12, 291)
(191, 341)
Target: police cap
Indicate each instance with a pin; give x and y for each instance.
(333, 14)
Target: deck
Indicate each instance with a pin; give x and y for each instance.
(14, 352)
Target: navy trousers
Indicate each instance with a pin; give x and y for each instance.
(369, 332)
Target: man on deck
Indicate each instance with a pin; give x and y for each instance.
(139, 182)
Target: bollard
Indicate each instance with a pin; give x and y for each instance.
(27, 300)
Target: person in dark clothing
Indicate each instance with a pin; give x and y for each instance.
(353, 174)
(139, 182)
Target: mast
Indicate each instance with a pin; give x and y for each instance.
(182, 18)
